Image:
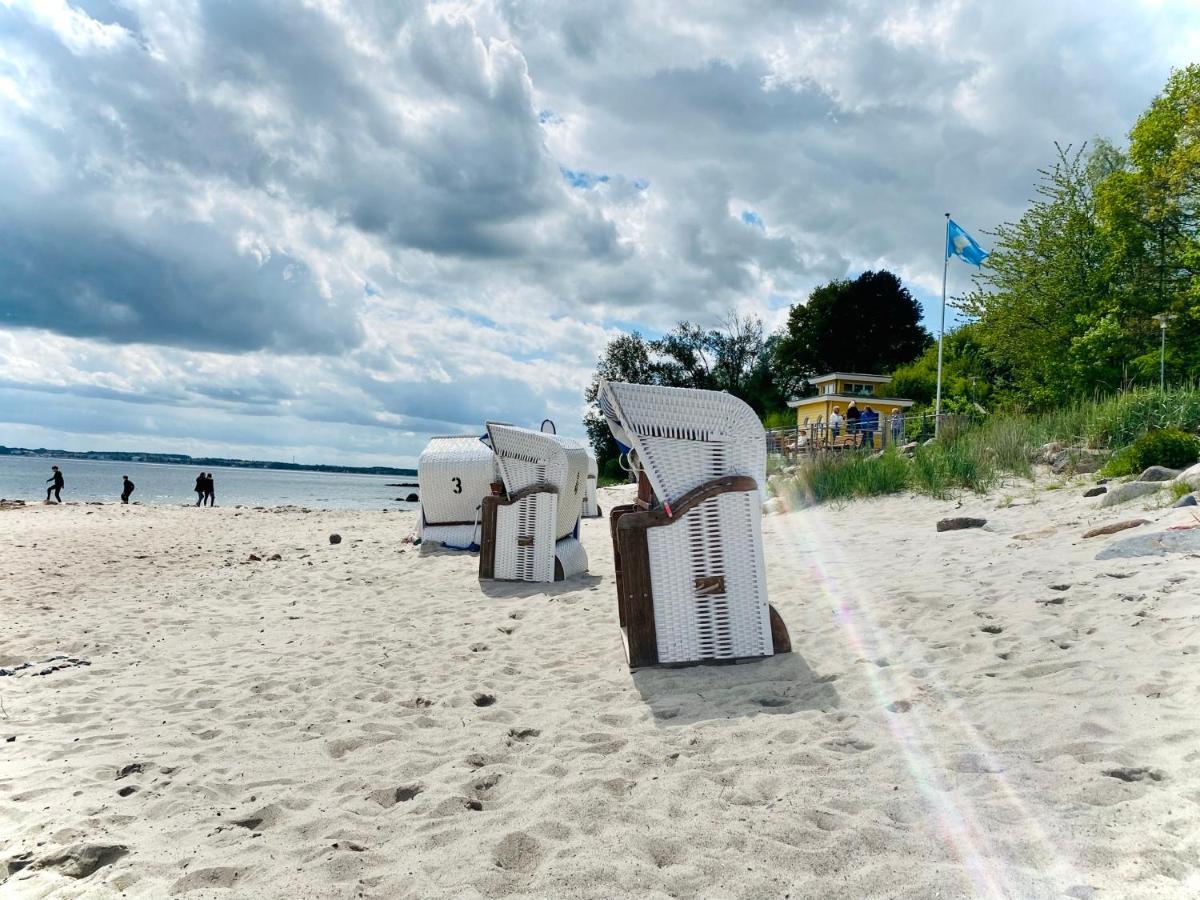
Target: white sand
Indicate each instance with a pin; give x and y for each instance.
(309, 727)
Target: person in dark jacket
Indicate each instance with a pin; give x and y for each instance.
(868, 422)
(210, 489)
(57, 486)
(201, 488)
(126, 488)
(853, 417)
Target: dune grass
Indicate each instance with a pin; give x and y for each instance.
(974, 458)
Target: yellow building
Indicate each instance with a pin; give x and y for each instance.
(838, 389)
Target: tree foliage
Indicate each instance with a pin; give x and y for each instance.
(871, 324)
(733, 358)
(1066, 299)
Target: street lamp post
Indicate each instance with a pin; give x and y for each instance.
(1162, 319)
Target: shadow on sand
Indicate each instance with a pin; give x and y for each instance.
(780, 684)
(508, 590)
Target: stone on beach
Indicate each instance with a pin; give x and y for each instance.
(1123, 493)
(1158, 473)
(1158, 543)
(1095, 491)
(1114, 527)
(335, 539)
(959, 523)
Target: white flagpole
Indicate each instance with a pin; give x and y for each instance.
(937, 410)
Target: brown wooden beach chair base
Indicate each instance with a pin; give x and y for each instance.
(631, 555)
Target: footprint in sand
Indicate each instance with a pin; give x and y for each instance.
(992, 629)
(481, 699)
(518, 852)
(899, 706)
(389, 797)
(523, 734)
(1134, 773)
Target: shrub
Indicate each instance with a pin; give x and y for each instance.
(1168, 447)
(611, 473)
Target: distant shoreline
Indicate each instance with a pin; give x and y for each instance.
(179, 459)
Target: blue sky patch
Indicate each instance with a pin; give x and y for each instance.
(581, 179)
(750, 217)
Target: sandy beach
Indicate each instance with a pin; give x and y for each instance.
(989, 712)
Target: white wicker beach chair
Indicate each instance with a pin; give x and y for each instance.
(691, 583)
(454, 474)
(532, 532)
(591, 503)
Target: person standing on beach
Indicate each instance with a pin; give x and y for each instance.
(126, 488)
(200, 488)
(210, 489)
(57, 486)
(853, 414)
(897, 425)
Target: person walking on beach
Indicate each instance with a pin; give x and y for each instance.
(210, 489)
(57, 486)
(126, 488)
(200, 488)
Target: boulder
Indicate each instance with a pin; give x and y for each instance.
(1114, 527)
(1047, 452)
(1186, 500)
(959, 523)
(1131, 490)
(1190, 477)
(1076, 462)
(1156, 543)
(335, 539)
(412, 498)
(1096, 491)
(1158, 473)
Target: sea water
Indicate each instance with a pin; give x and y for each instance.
(24, 478)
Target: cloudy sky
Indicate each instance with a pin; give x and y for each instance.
(330, 229)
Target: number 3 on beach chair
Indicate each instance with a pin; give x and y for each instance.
(531, 523)
(691, 584)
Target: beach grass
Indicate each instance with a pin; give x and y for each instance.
(975, 457)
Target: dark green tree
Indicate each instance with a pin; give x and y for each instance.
(734, 357)
(871, 324)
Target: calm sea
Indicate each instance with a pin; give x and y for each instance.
(24, 478)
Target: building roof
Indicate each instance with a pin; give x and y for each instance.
(860, 399)
(850, 376)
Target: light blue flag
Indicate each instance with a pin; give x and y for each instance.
(959, 243)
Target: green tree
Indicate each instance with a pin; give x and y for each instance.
(871, 324)
(1042, 300)
(1150, 212)
(733, 358)
(968, 375)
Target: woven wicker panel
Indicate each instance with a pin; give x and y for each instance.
(525, 539)
(527, 458)
(455, 474)
(455, 536)
(571, 556)
(709, 582)
(685, 437)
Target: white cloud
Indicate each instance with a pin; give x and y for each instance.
(343, 226)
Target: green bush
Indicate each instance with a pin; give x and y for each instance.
(850, 475)
(611, 473)
(1168, 447)
(780, 419)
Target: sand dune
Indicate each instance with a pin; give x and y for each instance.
(969, 713)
